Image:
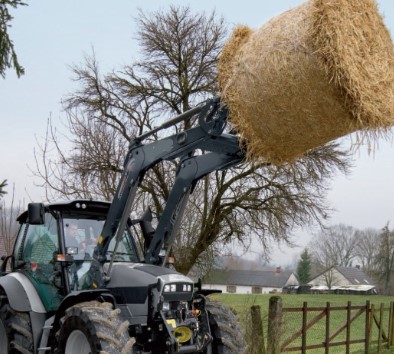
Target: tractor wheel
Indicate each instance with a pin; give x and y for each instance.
(15, 331)
(93, 328)
(226, 332)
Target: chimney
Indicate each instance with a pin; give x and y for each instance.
(277, 270)
(358, 266)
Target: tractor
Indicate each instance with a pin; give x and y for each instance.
(84, 277)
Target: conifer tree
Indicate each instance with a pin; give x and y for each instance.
(8, 58)
(304, 267)
(2, 186)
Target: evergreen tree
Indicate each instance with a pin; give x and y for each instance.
(304, 267)
(8, 58)
(2, 185)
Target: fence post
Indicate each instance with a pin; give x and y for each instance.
(274, 325)
(371, 322)
(304, 320)
(367, 326)
(391, 325)
(257, 330)
(348, 316)
(389, 328)
(380, 327)
(327, 349)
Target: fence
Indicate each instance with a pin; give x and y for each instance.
(329, 329)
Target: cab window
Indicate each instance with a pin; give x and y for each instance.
(40, 242)
(126, 251)
(34, 256)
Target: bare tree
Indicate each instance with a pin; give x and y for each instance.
(366, 248)
(330, 278)
(334, 246)
(178, 69)
(90, 168)
(8, 225)
(384, 261)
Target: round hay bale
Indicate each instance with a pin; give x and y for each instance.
(308, 76)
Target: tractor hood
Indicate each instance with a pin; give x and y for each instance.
(131, 283)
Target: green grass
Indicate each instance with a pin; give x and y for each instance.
(291, 322)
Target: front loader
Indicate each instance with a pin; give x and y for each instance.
(108, 294)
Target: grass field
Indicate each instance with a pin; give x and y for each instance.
(292, 321)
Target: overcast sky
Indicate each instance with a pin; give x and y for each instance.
(49, 36)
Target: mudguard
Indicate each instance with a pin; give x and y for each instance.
(21, 293)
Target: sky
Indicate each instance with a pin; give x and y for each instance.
(51, 36)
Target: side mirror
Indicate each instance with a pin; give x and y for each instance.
(146, 226)
(146, 222)
(36, 213)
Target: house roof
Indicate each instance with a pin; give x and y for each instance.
(262, 278)
(355, 275)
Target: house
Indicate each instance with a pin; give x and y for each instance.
(249, 281)
(343, 280)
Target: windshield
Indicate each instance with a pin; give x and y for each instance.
(80, 238)
(81, 235)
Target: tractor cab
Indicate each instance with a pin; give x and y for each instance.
(55, 247)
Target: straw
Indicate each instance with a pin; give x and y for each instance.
(308, 76)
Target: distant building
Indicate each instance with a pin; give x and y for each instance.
(249, 281)
(343, 280)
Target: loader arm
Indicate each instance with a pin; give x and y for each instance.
(220, 151)
(190, 170)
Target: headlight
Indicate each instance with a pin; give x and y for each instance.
(178, 287)
(187, 287)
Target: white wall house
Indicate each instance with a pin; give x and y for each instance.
(249, 282)
(342, 280)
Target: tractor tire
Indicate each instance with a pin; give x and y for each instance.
(15, 331)
(93, 328)
(225, 329)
